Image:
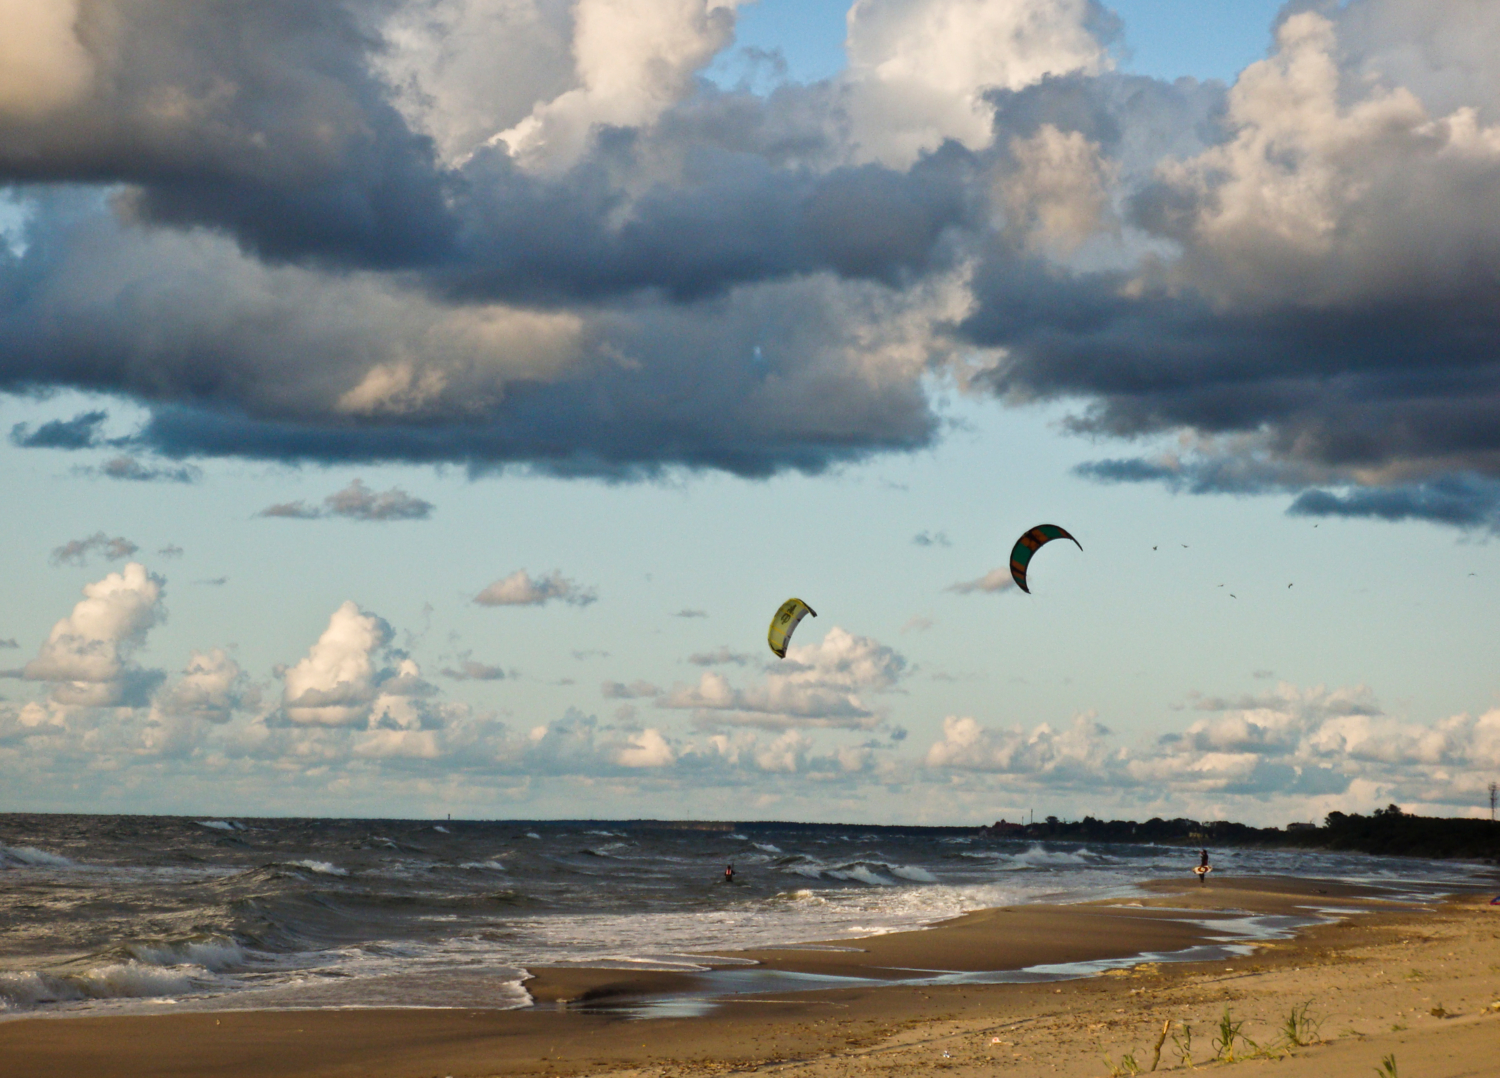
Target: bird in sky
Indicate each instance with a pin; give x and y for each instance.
(1232, 595)
(1288, 585)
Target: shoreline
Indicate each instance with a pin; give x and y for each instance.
(1173, 923)
(888, 1008)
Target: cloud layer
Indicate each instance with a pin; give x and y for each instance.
(455, 231)
(350, 706)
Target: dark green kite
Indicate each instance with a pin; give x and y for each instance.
(1029, 544)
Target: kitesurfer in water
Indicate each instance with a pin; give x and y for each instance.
(728, 873)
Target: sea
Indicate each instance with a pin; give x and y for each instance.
(112, 914)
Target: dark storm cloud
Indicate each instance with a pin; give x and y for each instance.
(1464, 500)
(238, 222)
(262, 119)
(734, 218)
(268, 122)
(1378, 355)
(80, 432)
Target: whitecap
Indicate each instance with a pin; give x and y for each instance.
(912, 872)
(24, 990)
(214, 953)
(766, 846)
(30, 857)
(1038, 857)
(862, 874)
(321, 867)
(812, 870)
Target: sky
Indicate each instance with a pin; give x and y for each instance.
(421, 408)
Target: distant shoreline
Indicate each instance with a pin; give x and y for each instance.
(1386, 832)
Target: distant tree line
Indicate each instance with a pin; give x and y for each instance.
(1385, 831)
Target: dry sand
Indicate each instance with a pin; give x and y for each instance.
(1420, 984)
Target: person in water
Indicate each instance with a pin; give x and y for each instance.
(728, 873)
(1203, 866)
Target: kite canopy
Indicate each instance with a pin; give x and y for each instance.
(1029, 544)
(786, 620)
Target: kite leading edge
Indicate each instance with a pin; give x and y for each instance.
(1029, 544)
(786, 620)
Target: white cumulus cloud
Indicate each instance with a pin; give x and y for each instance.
(335, 684)
(87, 655)
(824, 684)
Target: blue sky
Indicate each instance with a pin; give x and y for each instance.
(593, 459)
(1166, 39)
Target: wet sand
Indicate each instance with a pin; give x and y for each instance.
(1415, 982)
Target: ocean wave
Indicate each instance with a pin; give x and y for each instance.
(861, 873)
(30, 857)
(913, 873)
(28, 989)
(1039, 857)
(766, 846)
(865, 870)
(214, 953)
(222, 825)
(491, 865)
(803, 895)
(322, 868)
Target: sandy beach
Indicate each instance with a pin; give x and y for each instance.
(1419, 984)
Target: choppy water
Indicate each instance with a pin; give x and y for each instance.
(112, 912)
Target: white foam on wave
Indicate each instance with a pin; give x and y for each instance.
(813, 870)
(222, 825)
(492, 866)
(27, 989)
(913, 873)
(439, 827)
(213, 954)
(606, 849)
(766, 846)
(322, 868)
(1039, 857)
(31, 857)
(802, 895)
(533, 834)
(862, 873)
